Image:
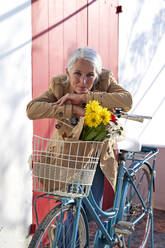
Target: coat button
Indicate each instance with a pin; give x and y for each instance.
(60, 114)
(57, 126)
(73, 120)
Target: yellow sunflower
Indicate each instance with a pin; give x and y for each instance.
(92, 119)
(105, 116)
(93, 107)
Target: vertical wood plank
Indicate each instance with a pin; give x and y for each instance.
(93, 25)
(40, 73)
(103, 32)
(81, 23)
(40, 64)
(75, 26)
(70, 31)
(56, 37)
(103, 37)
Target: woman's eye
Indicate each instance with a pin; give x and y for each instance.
(90, 75)
(77, 73)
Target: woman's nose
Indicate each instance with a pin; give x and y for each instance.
(84, 79)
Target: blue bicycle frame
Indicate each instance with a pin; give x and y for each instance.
(106, 234)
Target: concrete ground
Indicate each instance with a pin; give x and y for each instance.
(159, 230)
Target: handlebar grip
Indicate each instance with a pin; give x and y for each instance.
(139, 118)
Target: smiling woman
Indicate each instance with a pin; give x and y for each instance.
(82, 76)
(83, 69)
(85, 80)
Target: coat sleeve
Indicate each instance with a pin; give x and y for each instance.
(42, 107)
(110, 94)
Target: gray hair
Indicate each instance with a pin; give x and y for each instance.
(88, 54)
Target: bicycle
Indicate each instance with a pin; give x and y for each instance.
(127, 224)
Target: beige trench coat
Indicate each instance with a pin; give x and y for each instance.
(107, 91)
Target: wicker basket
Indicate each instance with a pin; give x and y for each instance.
(64, 168)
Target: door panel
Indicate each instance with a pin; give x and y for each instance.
(40, 66)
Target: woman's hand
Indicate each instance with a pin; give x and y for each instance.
(74, 98)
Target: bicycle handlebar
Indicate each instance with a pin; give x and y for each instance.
(140, 118)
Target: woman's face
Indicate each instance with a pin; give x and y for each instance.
(82, 76)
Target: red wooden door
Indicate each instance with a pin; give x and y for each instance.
(59, 27)
(103, 37)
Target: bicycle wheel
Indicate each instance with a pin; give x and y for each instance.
(133, 208)
(59, 223)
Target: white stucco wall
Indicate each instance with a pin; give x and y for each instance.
(15, 128)
(142, 72)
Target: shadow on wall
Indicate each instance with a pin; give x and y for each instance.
(143, 49)
(16, 10)
(146, 45)
(162, 102)
(15, 179)
(142, 67)
(27, 4)
(141, 53)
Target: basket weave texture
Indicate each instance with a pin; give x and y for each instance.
(64, 167)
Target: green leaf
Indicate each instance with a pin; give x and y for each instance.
(101, 136)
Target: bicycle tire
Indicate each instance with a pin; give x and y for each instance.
(49, 226)
(132, 208)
